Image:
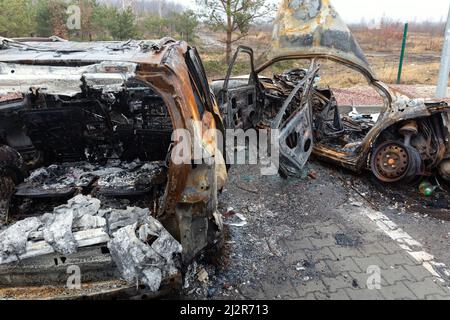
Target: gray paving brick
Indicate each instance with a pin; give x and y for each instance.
(424, 288)
(335, 283)
(398, 259)
(343, 252)
(338, 295)
(418, 272)
(306, 226)
(252, 291)
(301, 244)
(296, 256)
(309, 296)
(309, 232)
(397, 291)
(361, 280)
(364, 294)
(321, 254)
(437, 297)
(326, 223)
(330, 229)
(283, 289)
(373, 249)
(366, 262)
(343, 265)
(325, 241)
(391, 246)
(392, 275)
(322, 267)
(310, 287)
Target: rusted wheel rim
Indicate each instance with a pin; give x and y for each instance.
(390, 162)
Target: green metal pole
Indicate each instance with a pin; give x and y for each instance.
(402, 54)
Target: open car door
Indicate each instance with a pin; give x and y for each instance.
(240, 96)
(294, 123)
(242, 100)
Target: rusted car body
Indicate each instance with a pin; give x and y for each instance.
(108, 110)
(409, 139)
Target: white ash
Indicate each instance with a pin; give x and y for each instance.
(115, 175)
(61, 176)
(126, 178)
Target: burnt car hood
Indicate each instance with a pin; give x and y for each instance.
(313, 28)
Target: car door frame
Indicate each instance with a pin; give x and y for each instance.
(240, 105)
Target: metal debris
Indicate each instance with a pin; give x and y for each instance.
(235, 219)
(142, 249)
(121, 218)
(58, 228)
(58, 232)
(13, 240)
(145, 253)
(202, 275)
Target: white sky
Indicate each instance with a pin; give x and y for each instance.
(402, 10)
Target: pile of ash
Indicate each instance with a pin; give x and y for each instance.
(117, 184)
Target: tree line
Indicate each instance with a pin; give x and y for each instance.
(100, 20)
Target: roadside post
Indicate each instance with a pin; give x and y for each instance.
(441, 91)
(402, 54)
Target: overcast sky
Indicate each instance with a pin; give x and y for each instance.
(403, 10)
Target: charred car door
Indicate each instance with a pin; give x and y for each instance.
(240, 97)
(242, 103)
(294, 125)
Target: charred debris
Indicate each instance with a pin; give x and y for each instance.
(85, 170)
(97, 172)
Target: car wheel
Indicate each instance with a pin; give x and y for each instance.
(394, 161)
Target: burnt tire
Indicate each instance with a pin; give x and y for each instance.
(394, 161)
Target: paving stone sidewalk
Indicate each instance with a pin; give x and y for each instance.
(342, 260)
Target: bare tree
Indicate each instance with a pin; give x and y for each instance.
(234, 17)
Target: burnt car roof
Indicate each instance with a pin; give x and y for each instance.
(308, 28)
(138, 51)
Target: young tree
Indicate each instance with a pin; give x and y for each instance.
(86, 11)
(176, 25)
(51, 18)
(103, 21)
(185, 25)
(59, 18)
(124, 26)
(156, 26)
(17, 18)
(234, 17)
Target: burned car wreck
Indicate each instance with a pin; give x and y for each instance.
(399, 141)
(86, 173)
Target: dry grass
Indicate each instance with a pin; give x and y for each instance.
(391, 42)
(382, 47)
(424, 73)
